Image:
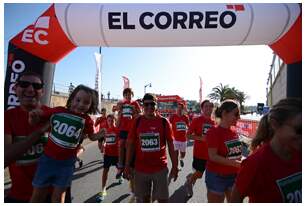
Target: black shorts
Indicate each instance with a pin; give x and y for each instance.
(123, 134)
(110, 161)
(199, 164)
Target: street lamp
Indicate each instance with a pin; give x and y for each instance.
(147, 85)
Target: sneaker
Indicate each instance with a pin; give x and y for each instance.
(181, 163)
(80, 163)
(119, 173)
(188, 186)
(101, 196)
(120, 180)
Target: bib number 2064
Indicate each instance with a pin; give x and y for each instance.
(65, 129)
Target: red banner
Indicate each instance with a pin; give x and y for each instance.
(247, 127)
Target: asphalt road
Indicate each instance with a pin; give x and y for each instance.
(87, 181)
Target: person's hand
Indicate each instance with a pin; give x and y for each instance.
(237, 163)
(173, 174)
(102, 133)
(44, 128)
(35, 116)
(119, 106)
(127, 173)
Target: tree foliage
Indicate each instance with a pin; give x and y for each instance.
(223, 92)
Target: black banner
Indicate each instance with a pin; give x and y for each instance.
(20, 61)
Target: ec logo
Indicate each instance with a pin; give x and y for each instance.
(29, 35)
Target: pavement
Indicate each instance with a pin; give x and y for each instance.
(86, 183)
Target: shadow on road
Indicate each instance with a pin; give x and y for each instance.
(179, 196)
(113, 185)
(122, 197)
(90, 164)
(92, 199)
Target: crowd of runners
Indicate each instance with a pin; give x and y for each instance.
(42, 145)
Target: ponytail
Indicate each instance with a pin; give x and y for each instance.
(264, 133)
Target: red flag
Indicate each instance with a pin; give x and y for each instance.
(126, 82)
(200, 91)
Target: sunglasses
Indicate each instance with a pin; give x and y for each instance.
(152, 104)
(26, 84)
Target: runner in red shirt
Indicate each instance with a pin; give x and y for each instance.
(197, 131)
(224, 150)
(274, 172)
(101, 121)
(148, 138)
(68, 126)
(111, 153)
(127, 111)
(180, 124)
(23, 143)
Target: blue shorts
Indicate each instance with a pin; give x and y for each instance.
(57, 173)
(219, 183)
(123, 134)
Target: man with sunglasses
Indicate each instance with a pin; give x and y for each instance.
(22, 147)
(148, 138)
(23, 143)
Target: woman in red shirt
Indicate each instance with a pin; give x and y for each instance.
(224, 151)
(274, 172)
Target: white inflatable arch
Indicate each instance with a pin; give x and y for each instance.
(64, 27)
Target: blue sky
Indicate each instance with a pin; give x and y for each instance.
(170, 70)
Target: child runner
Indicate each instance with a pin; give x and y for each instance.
(68, 125)
(111, 152)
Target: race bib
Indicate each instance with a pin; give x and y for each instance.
(205, 128)
(181, 126)
(127, 110)
(66, 129)
(110, 139)
(150, 142)
(234, 149)
(291, 188)
(33, 154)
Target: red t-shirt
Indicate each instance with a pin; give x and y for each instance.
(265, 177)
(199, 126)
(127, 112)
(180, 125)
(102, 122)
(67, 129)
(228, 145)
(112, 142)
(150, 143)
(22, 171)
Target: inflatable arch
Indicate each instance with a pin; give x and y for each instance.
(64, 27)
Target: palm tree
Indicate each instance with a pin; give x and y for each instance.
(219, 93)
